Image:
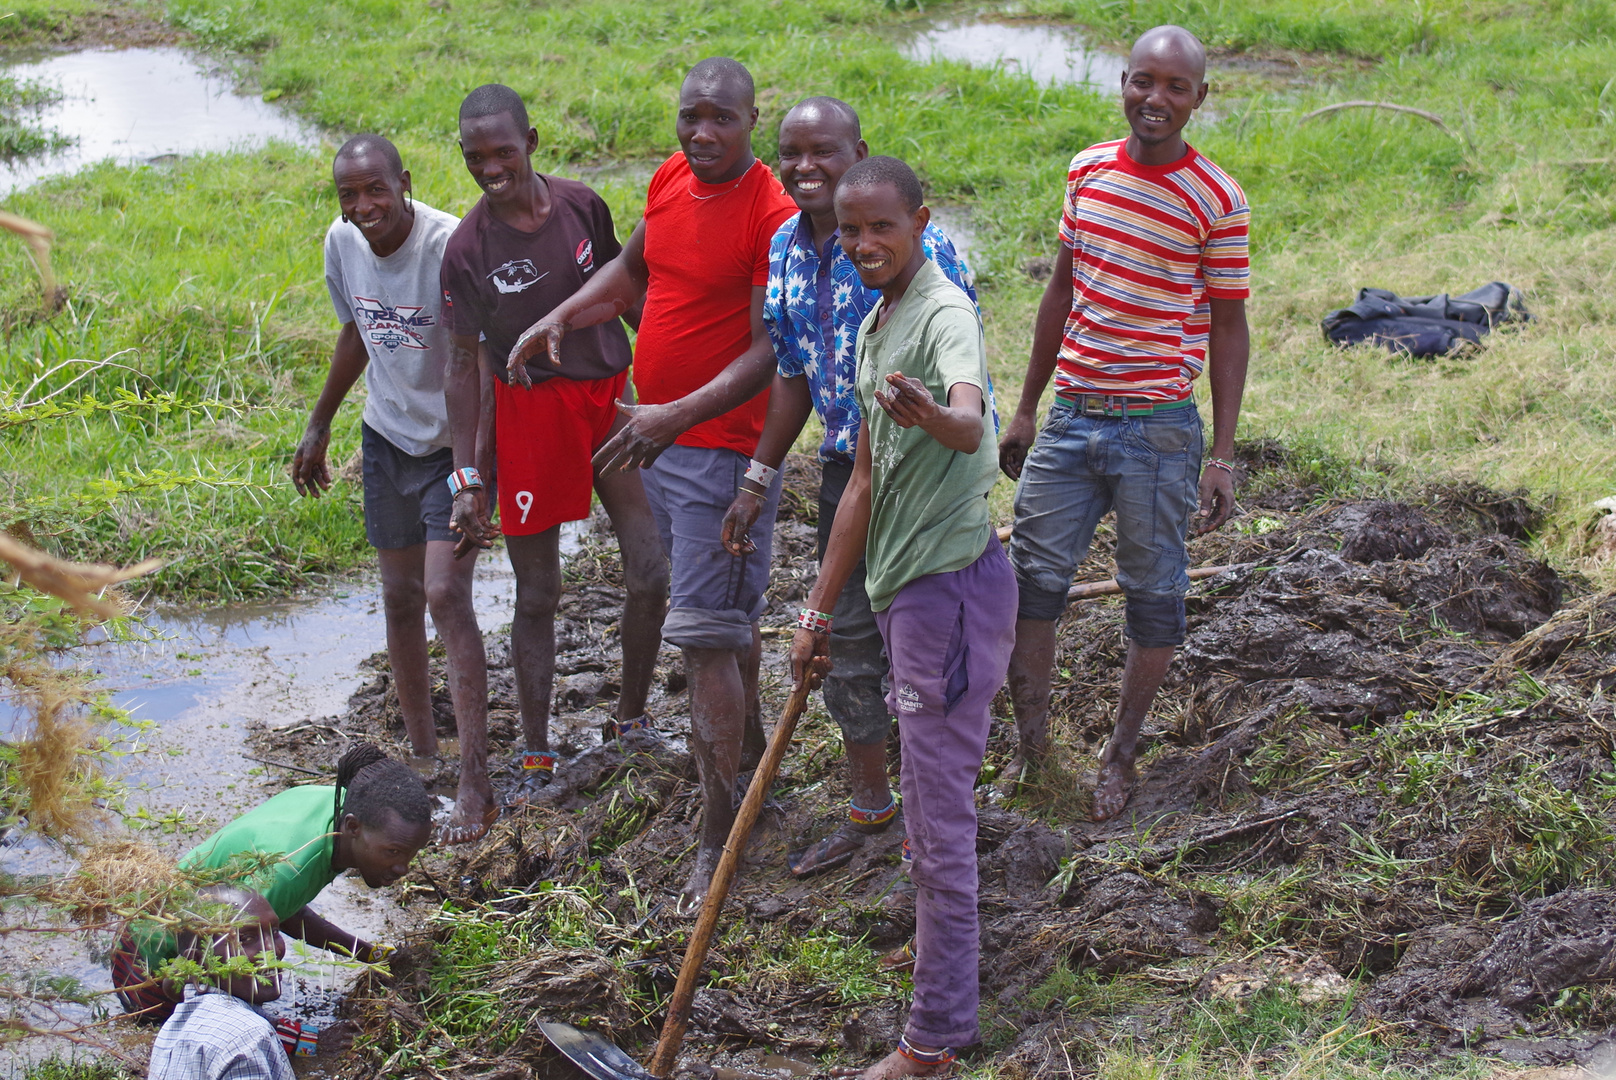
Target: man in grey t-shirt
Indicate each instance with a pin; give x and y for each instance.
(382, 263)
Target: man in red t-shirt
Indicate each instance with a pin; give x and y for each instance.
(527, 245)
(702, 366)
(1150, 286)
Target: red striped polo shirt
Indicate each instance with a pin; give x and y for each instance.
(1151, 244)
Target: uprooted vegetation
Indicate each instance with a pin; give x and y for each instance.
(1373, 828)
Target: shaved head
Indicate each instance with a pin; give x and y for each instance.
(722, 73)
(370, 146)
(1172, 43)
(826, 113)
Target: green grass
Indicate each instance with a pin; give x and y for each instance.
(206, 276)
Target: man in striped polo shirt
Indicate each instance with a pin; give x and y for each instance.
(1149, 288)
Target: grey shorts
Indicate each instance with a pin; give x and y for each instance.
(715, 597)
(407, 500)
(855, 690)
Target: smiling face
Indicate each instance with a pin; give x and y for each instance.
(257, 934)
(371, 193)
(498, 155)
(715, 129)
(879, 233)
(1165, 83)
(817, 145)
(382, 853)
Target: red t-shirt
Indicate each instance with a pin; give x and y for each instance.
(706, 246)
(1150, 245)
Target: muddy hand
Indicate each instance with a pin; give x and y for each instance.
(810, 658)
(310, 475)
(470, 520)
(907, 401)
(738, 521)
(1018, 439)
(650, 430)
(543, 336)
(1217, 499)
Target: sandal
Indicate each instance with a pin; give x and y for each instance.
(534, 771)
(901, 959)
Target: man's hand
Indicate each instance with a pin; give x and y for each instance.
(650, 430)
(810, 658)
(907, 401)
(309, 472)
(543, 336)
(738, 521)
(1217, 499)
(1017, 441)
(470, 519)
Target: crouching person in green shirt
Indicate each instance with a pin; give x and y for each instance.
(374, 821)
(939, 582)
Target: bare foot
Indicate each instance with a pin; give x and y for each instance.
(694, 894)
(474, 814)
(835, 850)
(1022, 768)
(896, 1065)
(1112, 787)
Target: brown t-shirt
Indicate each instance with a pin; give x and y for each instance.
(498, 281)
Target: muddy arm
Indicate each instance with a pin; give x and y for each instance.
(314, 929)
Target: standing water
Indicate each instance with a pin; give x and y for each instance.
(1043, 52)
(136, 105)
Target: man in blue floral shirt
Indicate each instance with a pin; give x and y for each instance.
(813, 308)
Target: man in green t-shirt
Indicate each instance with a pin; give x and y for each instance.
(939, 582)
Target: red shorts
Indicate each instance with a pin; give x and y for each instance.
(544, 438)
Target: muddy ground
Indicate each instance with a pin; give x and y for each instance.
(1379, 782)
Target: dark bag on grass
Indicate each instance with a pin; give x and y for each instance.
(1425, 325)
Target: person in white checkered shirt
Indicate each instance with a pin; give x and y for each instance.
(217, 1033)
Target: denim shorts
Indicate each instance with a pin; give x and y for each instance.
(1147, 469)
(407, 500)
(714, 597)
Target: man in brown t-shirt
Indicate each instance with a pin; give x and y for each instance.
(531, 242)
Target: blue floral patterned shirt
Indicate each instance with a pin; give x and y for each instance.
(813, 312)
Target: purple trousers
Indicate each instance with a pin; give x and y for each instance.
(948, 638)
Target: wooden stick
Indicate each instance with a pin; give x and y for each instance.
(1387, 105)
(684, 992)
(1088, 590)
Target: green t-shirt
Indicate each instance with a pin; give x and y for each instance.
(928, 504)
(295, 824)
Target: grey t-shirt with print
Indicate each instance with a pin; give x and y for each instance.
(397, 303)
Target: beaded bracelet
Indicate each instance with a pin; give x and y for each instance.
(464, 480)
(759, 473)
(1219, 463)
(815, 621)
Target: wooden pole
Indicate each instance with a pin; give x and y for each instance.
(684, 992)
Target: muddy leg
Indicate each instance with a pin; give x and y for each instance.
(537, 562)
(1142, 676)
(645, 578)
(1032, 663)
(448, 597)
(753, 739)
(717, 716)
(404, 603)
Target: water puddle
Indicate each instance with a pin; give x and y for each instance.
(1044, 52)
(200, 676)
(956, 223)
(139, 106)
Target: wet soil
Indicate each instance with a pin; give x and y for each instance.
(1381, 771)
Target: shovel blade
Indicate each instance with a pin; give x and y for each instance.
(595, 1055)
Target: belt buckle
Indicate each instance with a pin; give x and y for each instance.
(1095, 405)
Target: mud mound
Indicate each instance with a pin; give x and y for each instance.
(1383, 761)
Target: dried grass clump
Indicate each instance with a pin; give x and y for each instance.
(50, 770)
(114, 881)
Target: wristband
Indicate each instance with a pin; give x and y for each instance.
(464, 480)
(814, 621)
(1219, 463)
(760, 474)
